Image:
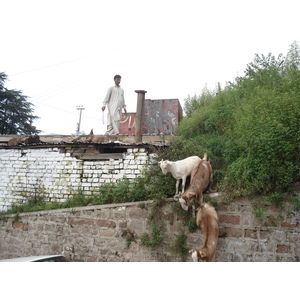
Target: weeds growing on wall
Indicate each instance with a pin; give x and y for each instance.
(179, 245)
(129, 236)
(156, 237)
(157, 240)
(186, 217)
(276, 199)
(295, 201)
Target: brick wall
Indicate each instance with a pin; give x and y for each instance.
(99, 233)
(56, 174)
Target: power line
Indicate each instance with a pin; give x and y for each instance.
(79, 80)
(56, 108)
(68, 61)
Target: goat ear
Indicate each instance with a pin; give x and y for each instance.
(159, 163)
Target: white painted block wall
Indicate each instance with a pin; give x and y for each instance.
(25, 173)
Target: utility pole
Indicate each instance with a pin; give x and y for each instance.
(80, 108)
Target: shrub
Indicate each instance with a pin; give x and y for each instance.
(251, 129)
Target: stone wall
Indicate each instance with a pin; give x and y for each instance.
(55, 173)
(113, 233)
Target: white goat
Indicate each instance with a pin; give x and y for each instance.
(180, 169)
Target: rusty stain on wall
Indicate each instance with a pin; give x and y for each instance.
(127, 124)
(159, 116)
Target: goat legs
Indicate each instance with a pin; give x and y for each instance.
(183, 184)
(177, 186)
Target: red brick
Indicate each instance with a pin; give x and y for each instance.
(288, 225)
(106, 223)
(20, 225)
(283, 249)
(251, 234)
(235, 220)
(271, 221)
(264, 234)
(234, 232)
(80, 221)
(56, 248)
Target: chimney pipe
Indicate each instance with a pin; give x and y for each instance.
(139, 115)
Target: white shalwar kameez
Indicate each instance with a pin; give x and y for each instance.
(114, 101)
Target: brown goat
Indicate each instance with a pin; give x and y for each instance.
(207, 220)
(201, 179)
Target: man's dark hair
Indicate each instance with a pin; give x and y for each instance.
(117, 76)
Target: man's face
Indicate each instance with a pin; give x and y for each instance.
(117, 81)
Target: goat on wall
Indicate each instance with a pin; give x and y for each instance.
(180, 169)
(201, 180)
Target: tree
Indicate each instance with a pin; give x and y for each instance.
(292, 61)
(15, 111)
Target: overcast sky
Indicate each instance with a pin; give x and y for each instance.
(63, 54)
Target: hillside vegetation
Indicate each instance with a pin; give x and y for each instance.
(251, 128)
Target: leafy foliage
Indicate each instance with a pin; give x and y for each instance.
(157, 234)
(251, 128)
(15, 111)
(179, 245)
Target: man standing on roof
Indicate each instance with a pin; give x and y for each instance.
(114, 101)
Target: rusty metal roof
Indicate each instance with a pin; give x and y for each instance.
(40, 141)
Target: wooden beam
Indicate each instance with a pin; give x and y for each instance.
(99, 156)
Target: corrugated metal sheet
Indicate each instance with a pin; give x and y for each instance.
(159, 116)
(80, 141)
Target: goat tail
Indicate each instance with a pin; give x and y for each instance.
(205, 156)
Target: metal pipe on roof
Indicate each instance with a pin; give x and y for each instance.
(139, 115)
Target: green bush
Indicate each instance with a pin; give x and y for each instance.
(251, 128)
